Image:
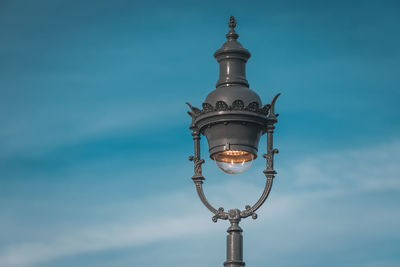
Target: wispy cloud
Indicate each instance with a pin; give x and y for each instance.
(371, 169)
(100, 238)
(322, 183)
(36, 132)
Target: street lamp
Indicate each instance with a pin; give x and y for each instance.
(233, 119)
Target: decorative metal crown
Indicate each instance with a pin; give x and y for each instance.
(237, 105)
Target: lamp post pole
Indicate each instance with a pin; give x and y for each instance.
(233, 119)
(234, 241)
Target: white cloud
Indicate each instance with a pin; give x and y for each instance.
(98, 238)
(38, 131)
(326, 203)
(365, 169)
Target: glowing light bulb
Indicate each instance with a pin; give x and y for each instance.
(233, 161)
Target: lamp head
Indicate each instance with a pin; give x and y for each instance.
(232, 116)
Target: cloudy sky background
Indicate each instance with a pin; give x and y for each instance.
(94, 135)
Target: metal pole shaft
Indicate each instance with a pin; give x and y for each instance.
(234, 246)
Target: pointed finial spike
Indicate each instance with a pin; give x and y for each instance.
(232, 23)
(232, 35)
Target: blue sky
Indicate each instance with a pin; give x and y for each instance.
(94, 135)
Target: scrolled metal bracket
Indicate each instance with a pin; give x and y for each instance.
(221, 214)
(197, 166)
(198, 178)
(236, 215)
(269, 156)
(248, 212)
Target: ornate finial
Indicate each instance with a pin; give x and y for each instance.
(232, 23)
(232, 35)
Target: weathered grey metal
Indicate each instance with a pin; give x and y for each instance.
(234, 241)
(269, 156)
(196, 158)
(233, 118)
(232, 58)
(198, 177)
(269, 171)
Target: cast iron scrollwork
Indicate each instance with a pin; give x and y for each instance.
(221, 214)
(198, 177)
(237, 105)
(235, 215)
(197, 165)
(269, 156)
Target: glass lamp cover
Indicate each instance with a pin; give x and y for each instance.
(233, 161)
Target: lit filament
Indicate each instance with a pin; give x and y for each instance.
(233, 161)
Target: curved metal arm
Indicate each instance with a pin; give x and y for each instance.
(198, 179)
(251, 211)
(236, 215)
(220, 213)
(269, 171)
